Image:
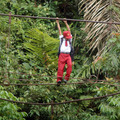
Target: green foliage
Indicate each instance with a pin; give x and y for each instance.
(111, 57)
(85, 103)
(43, 46)
(108, 62)
(109, 107)
(47, 94)
(9, 110)
(25, 7)
(33, 51)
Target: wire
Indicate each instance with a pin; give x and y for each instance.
(6, 83)
(50, 18)
(76, 100)
(115, 80)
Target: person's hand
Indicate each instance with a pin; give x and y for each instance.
(73, 63)
(57, 20)
(65, 21)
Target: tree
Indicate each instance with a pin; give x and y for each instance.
(9, 110)
(100, 10)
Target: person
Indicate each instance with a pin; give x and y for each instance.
(66, 54)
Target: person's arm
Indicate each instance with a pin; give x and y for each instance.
(58, 25)
(68, 28)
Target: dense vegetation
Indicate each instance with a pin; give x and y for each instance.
(28, 51)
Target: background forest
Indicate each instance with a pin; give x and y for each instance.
(28, 53)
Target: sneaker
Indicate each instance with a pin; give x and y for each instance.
(65, 81)
(58, 83)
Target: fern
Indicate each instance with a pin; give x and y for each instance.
(42, 45)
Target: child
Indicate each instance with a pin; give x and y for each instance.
(66, 53)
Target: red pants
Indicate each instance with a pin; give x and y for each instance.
(64, 59)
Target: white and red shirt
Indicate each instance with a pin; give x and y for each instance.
(64, 48)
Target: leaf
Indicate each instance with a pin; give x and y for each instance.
(98, 33)
(26, 65)
(113, 40)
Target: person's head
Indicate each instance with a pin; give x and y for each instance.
(67, 35)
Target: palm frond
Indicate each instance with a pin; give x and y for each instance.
(100, 11)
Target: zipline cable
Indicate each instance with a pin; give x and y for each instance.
(71, 101)
(51, 18)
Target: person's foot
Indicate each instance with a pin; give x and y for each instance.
(65, 81)
(58, 83)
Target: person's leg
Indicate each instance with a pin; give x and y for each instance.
(69, 68)
(61, 65)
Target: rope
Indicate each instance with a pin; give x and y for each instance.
(6, 83)
(32, 80)
(76, 100)
(50, 18)
(115, 80)
(85, 80)
(88, 81)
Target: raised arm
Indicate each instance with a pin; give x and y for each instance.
(68, 28)
(58, 25)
